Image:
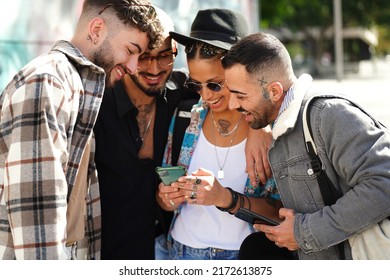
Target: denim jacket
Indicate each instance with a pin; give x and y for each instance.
(355, 154)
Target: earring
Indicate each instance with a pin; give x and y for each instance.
(89, 38)
(95, 42)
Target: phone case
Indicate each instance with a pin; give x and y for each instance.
(170, 174)
(254, 218)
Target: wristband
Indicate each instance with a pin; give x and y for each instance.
(241, 197)
(233, 204)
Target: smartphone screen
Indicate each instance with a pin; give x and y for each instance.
(170, 174)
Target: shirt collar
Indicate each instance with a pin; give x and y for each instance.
(122, 100)
(74, 54)
(291, 105)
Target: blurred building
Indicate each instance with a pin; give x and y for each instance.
(358, 49)
(29, 28)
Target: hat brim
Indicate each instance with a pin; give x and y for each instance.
(185, 40)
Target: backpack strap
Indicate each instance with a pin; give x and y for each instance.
(328, 191)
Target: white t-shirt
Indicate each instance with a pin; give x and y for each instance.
(201, 226)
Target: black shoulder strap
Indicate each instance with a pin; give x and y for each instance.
(327, 189)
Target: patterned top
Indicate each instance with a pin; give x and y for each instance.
(47, 113)
(191, 136)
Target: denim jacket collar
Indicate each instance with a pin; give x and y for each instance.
(288, 117)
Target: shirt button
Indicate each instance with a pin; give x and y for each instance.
(308, 246)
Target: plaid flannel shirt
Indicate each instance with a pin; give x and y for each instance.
(47, 113)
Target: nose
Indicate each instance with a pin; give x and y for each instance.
(132, 64)
(233, 102)
(206, 93)
(153, 65)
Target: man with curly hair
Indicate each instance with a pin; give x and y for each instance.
(49, 196)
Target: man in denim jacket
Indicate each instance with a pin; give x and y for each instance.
(353, 149)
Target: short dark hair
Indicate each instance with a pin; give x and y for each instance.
(137, 13)
(254, 52)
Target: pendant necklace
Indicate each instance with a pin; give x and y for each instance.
(221, 173)
(144, 109)
(146, 130)
(223, 128)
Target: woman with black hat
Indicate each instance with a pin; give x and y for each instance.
(212, 151)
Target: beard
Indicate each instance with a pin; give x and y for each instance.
(258, 123)
(103, 58)
(151, 91)
(260, 120)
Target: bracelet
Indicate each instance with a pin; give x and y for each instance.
(233, 204)
(240, 206)
(249, 203)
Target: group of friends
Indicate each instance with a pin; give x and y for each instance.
(83, 128)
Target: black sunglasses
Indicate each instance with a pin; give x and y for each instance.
(197, 87)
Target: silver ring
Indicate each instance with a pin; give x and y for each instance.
(171, 202)
(194, 188)
(193, 195)
(197, 181)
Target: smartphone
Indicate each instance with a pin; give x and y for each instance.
(170, 174)
(254, 218)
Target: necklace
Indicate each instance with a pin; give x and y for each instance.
(224, 127)
(146, 129)
(221, 173)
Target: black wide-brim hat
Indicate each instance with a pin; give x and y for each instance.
(218, 27)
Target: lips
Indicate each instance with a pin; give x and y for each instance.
(119, 72)
(248, 116)
(212, 102)
(151, 79)
(215, 103)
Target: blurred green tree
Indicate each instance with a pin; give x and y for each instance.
(303, 15)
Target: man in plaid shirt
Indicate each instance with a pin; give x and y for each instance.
(47, 113)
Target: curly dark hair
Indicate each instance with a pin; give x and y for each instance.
(137, 13)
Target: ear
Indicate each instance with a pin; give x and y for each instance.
(96, 30)
(276, 91)
(173, 44)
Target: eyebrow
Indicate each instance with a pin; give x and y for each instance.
(235, 91)
(214, 79)
(137, 46)
(162, 51)
(167, 49)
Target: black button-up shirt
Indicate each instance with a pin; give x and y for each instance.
(128, 183)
